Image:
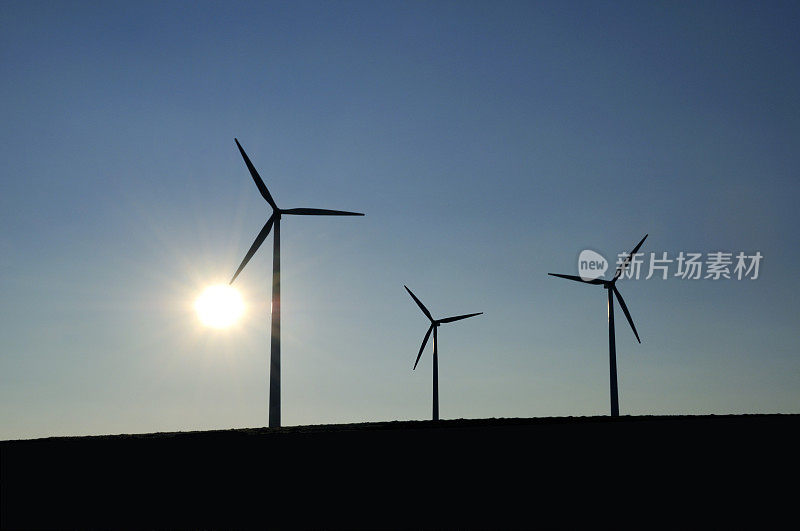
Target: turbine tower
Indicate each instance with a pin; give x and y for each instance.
(275, 219)
(434, 326)
(611, 287)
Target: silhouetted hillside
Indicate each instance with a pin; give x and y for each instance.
(628, 471)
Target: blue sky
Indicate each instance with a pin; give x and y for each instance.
(488, 143)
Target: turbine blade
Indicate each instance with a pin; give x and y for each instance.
(318, 212)
(256, 177)
(419, 303)
(627, 260)
(458, 317)
(626, 312)
(424, 342)
(579, 279)
(256, 244)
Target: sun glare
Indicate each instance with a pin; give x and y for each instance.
(219, 306)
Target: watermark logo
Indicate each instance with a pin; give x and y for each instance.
(591, 265)
(685, 265)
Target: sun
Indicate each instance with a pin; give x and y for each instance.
(219, 306)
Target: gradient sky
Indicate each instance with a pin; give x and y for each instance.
(488, 143)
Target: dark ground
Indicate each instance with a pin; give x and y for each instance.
(589, 472)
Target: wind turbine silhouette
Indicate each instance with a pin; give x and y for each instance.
(610, 286)
(275, 219)
(434, 326)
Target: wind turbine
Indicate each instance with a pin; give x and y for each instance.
(610, 286)
(275, 219)
(434, 326)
